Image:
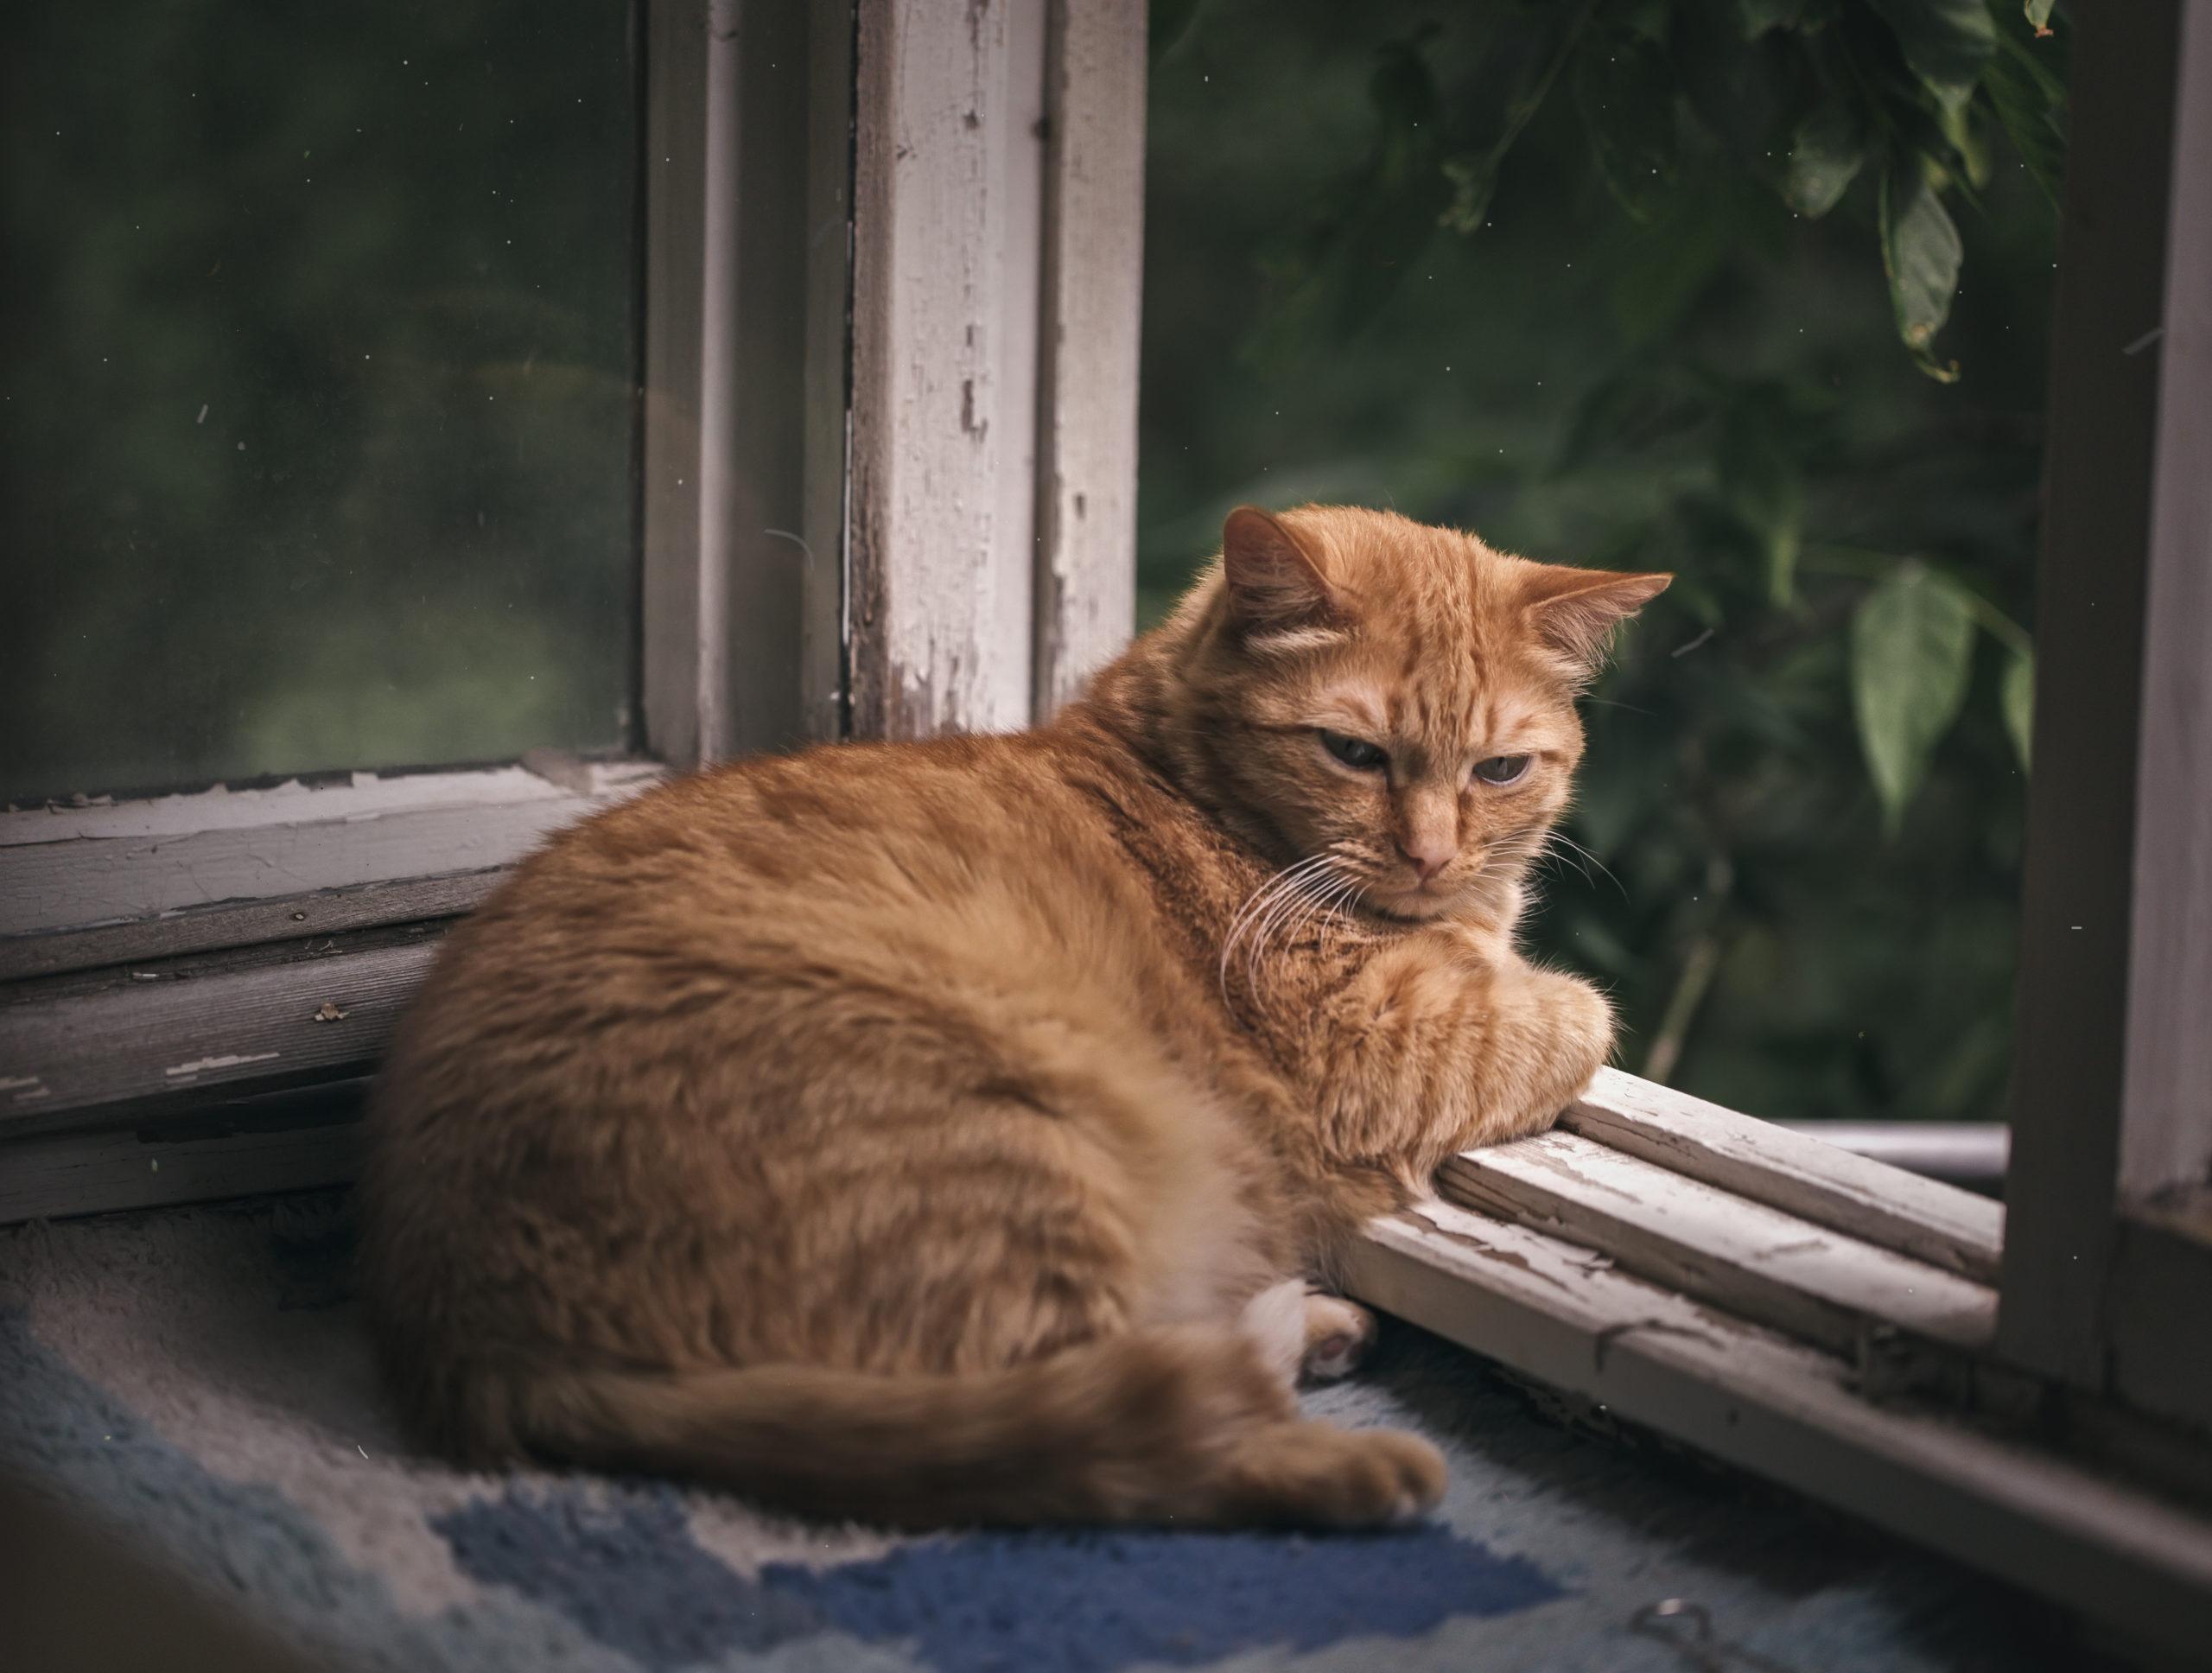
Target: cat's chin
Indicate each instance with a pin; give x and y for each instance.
(1413, 905)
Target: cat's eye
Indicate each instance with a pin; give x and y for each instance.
(1355, 752)
(1501, 770)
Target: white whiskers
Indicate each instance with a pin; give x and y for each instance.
(1537, 848)
(1314, 889)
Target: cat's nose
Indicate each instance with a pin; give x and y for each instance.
(1426, 854)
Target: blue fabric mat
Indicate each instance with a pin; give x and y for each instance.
(198, 1378)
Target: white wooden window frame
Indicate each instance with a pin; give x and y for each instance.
(944, 315)
(920, 515)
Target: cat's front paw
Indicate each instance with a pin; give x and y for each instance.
(1584, 1019)
(1574, 1027)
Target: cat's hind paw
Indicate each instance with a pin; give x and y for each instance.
(1339, 1336)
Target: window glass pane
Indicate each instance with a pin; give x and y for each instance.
(1653, 348)
(321, 345)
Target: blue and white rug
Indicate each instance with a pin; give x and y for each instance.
(198, 1379)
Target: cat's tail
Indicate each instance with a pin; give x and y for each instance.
(1178, 1426)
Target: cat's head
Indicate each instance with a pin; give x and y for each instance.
(1394, 702)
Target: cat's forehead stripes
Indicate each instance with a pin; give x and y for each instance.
(1361, 708)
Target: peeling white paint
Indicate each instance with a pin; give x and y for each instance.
(192, 1071)
(367, 795)
(77, 869)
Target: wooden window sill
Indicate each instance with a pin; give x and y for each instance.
(1818, 1319)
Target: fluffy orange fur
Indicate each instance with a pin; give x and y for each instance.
(942, 1132)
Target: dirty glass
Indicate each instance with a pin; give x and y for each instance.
(317, 409)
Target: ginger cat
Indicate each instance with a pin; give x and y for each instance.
(942, 1133)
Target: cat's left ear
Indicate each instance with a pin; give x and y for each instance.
(1575, 611)
(1273, 580)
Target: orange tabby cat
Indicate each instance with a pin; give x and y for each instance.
(938, 1133)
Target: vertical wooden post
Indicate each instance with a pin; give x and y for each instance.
(946, 184)
(690, 142)
(2079, 901)
(2166, 1119)
(997, 198)
(740, 313)
(826, 403)
(1087, 382)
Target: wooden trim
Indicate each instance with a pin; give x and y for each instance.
(2161, 1311)
(1087, 375)
(947, 181)
(304, 918)
(1564, 1316)
(287, 1143)
(826, 403)
(80, 1051)
(75, 869)
(738, 311)
(1959, 1153)
(997, 273)
(2166, 1111)
(690, 168)
(1755, 1261)
(2070, 1038)
(1797, 1173)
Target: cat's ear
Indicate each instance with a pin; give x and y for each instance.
(1273, 580)
(1575, 611)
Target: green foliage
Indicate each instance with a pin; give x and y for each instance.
(1947, 44)
(1825, 154)
(1626, 341)
(1921, 253)
(1912, 638)
(1805, 95)
(2018, 695)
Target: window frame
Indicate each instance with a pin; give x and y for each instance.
(964, 513)
(163, 958)
(2066, 1443)
(2110, 1182)
(154, 950)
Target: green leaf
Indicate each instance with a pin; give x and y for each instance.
(1969, 145)
(1473, 182)
(1825, 155)
(1948, 43)
(2038, 13)
(1921, 253)
(2017, 695)
(1911, 642)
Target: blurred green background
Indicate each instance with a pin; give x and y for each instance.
(1553, 272)
(319, 387)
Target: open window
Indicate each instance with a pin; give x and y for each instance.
(868, 304)
(2029, 1387)
(418, 509)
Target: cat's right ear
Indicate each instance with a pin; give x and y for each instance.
(1273, 580)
